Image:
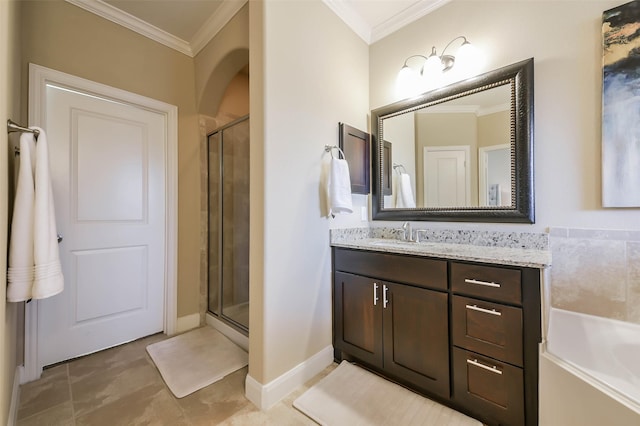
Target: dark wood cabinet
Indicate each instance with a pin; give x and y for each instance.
(416, 337)
(358, 312)
(396, 328)
(464, 333)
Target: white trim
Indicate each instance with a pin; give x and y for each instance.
(351, 18)
(38, 78)
(372, 33)
(12, 418)
(187, 322)
(266, 396)
(215, 24)
(231, 333)
(120, 17)
(407, 16)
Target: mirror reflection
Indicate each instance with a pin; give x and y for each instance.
(457, 153)
(463, 152)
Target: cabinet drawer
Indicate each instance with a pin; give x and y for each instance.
(419, 271)
(487, 282)
(488, 328)
(491, 389)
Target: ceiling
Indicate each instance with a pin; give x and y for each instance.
(188, 25)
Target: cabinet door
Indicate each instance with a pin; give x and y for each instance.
(358, 317)
(416, 336)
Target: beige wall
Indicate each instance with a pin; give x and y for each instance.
(310, 73)
(220, 61)
(9, 108)
(494, 129)
(564, 38)
(64, 37)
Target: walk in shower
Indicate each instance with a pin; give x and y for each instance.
(228, 223)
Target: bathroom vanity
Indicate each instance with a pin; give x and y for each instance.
(458, 323)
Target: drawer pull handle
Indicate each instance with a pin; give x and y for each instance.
(484, 283)
(385, 299)
(483, 310)
(375, 294)
(475, 362)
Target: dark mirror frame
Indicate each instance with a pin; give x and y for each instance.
(520, 77)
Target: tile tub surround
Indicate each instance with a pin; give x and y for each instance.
(516, 249)
(596, 272)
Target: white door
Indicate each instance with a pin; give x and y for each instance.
(108, 172)
(446, 176)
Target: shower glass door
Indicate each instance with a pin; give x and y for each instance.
(228, 240)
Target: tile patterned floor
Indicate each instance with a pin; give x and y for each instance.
(121, 386)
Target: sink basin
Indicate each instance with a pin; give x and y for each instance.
(393, 243)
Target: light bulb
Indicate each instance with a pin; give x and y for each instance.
(407, 83)
(469, 60)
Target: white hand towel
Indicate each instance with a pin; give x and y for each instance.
(34, 265)
(21, 266)
(48, 280)
(404, 196)
(339, 187)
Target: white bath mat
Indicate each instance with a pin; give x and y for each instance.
(350, 395)
(196, 359)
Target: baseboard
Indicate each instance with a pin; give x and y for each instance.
(187, 322)
(266, 396)
(12, 418)
(234, 335)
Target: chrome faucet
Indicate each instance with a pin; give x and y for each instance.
(406, 232)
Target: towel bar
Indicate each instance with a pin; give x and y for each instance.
(12, 126)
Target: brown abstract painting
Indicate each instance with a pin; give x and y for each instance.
(621, 106)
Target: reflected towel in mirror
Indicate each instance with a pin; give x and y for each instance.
(404, 193)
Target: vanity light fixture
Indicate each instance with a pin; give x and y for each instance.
(433, 67)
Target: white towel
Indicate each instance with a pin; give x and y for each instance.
(404, 193)
(339, 187)
(34, 263)
(21, 265)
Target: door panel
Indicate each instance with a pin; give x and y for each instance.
(416, 337)
(446, 179)
(358, 317)
(107, 163)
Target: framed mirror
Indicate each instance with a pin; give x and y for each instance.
(463, 152)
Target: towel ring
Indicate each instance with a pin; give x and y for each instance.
(399, 168)
(330, 148)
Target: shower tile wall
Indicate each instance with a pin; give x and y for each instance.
(596, 272)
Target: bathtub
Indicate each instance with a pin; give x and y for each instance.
(604, 353)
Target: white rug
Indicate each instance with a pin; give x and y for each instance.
(196, 359)
(350, 395)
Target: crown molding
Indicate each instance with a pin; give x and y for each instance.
(351, 18)
(215, 24)
(407, 16)
(372, 34)
(129, 21)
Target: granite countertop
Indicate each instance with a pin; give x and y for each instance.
(527, 257)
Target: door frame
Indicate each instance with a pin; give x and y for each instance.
(483, 152)
(39, 77)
